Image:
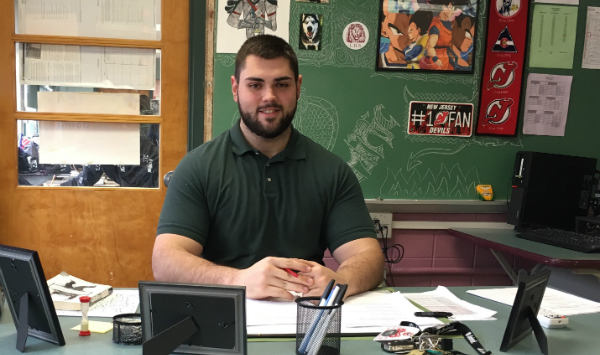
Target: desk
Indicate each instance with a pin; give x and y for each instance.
(505, 240)
(578, 338)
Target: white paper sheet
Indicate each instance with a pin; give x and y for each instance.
(591, 48)
(89, 102)
(89, 143)
(369, 312)
(87, 66)
(442, 300)
(554, 301)
(234, 28)
(120, 302)
(547, 104)
(561, 2)
(129, 19)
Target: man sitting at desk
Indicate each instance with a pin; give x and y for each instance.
(262, 197)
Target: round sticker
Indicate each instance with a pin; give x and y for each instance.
(356, 35)
(508, 8)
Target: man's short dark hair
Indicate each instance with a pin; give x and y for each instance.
(422, 20)
(266, 47)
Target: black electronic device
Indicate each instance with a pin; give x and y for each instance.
(550, 190)
(523, 316)
(192, 319)
(26, 291)
(564, 239)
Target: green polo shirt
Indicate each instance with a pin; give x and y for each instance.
(242, 206)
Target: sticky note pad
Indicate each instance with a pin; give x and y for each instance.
(97, 327)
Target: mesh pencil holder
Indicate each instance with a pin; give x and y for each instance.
(127, 329)
(318, 328)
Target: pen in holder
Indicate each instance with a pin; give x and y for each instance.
(318, 329)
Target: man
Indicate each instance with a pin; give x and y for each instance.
(261, 197)
(394, 37)
(460, 52)
(440, 35)
(417, 33)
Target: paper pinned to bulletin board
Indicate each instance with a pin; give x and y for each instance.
(553, 33)
(591, 49)
(547, 104)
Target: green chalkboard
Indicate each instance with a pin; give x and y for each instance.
(345, 102)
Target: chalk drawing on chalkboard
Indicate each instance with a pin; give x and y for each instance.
(445, 183)
(365, 156)
(337, 16)
(315, 117)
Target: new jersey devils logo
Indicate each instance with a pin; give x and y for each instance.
(498, 111)
(502, 75)
(441, 118)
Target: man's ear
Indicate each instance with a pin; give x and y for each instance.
(234, 88)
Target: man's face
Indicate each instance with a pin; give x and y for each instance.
(462, 36)
(395, 27)
(266, 95)
(448, 10)
(413, 32)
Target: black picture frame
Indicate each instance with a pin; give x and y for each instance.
(394, 43)
(173, 313)
(523, 315)
(26, 290)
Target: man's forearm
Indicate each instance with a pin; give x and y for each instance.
(362, 271)
(177, 265)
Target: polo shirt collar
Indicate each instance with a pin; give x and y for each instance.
(296, 148)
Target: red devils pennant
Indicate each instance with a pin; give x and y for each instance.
(504, 64)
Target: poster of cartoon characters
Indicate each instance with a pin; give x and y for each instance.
(238, 20)
(430, 35)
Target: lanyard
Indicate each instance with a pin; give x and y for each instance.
(451, 329)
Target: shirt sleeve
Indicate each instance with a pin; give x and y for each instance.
(434, 31)
(348, 219)
(412, 53)
(185, 211)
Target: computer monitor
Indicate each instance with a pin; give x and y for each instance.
(192, 319)
(550, 190)
(26, 290)
(523, 316)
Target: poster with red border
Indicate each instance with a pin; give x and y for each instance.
(503, 71)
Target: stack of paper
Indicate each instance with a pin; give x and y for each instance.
(369, 312)
(554, 301)
(442, 300)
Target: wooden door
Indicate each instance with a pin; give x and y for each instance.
(102, 235)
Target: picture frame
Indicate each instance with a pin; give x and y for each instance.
(173, 313)
(28, 297)
(427, 35)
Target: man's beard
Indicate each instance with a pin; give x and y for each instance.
(255, 126)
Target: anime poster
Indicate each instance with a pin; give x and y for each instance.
(430, 35)
(503, 71)
(440, 119)
(238, 20)
(311, 32)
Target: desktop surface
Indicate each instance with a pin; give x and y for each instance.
(580, 337)
(505, 240)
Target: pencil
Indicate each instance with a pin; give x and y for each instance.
(291, 272)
